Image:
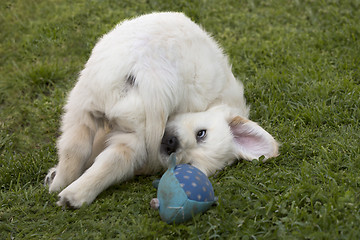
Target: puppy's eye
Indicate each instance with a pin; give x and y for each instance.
(200, 135)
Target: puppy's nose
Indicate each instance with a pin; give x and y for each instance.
(169, 144)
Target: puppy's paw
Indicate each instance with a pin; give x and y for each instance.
(50, 177)
(65, 203)
(69, 199)
(55, 180)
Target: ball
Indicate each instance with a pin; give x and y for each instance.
(182, 192)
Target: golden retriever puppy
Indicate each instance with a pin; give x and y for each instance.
(154, 85)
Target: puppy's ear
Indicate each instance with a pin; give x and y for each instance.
(251, 140)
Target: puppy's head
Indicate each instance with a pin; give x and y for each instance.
(213, 139)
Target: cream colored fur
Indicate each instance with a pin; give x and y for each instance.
(153, 72)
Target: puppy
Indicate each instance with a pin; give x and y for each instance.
(154, 85)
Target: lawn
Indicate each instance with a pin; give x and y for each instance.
(299, 62)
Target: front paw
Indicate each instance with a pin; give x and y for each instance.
(73, 198)
(50, 176)
(66, 203)
(55, 180)
(69, 200)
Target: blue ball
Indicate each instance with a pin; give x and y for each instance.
(183, 191)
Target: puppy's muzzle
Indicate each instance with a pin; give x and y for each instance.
(169, 144)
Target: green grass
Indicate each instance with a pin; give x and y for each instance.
(299, 61)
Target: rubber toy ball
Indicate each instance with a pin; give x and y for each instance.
(182, 192)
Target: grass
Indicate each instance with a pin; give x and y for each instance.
(299, 61)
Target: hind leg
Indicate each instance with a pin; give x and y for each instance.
(74, 149)
(118, 162)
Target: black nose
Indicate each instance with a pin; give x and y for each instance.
(169, 144)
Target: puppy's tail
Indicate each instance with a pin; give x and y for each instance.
(160, 98)
(156, 119)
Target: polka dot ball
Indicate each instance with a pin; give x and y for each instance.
(194, 182)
